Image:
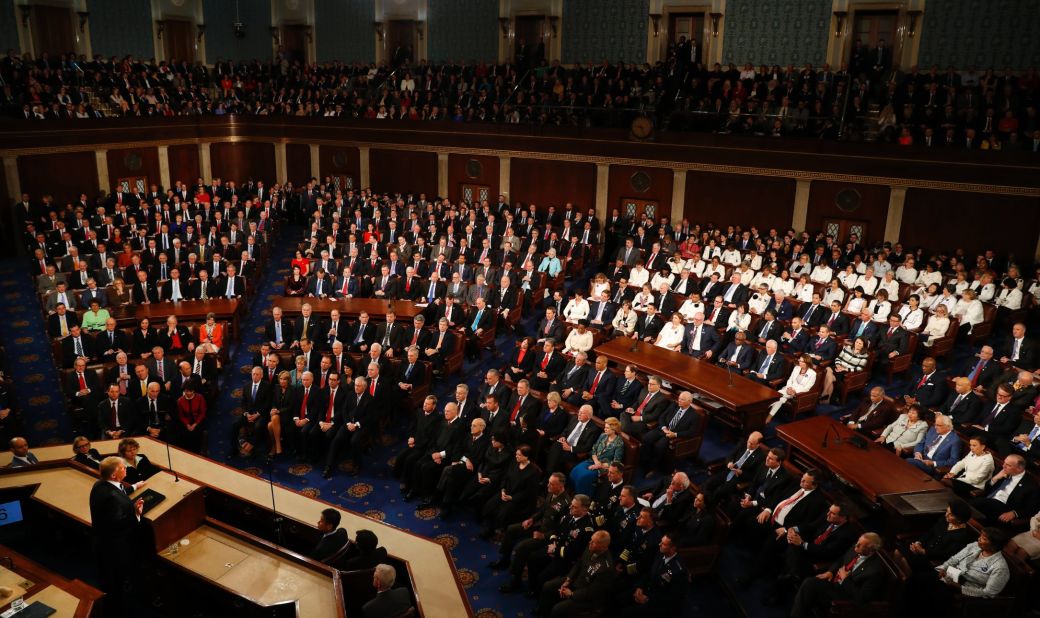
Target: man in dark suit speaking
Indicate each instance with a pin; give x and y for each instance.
(115, 520)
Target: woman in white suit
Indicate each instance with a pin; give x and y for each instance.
(905, 432)
(801, 381)
(973, 471)
(624, 322)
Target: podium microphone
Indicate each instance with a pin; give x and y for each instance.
(635, 345)
(169, 463)
(278, 519)
(729, 374)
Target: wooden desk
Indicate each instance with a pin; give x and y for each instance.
(436, 583)
(873, 470)
(349, 307)
(37, 583)
(189, 311)
(746, 401)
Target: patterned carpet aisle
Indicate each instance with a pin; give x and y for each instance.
(29, 359)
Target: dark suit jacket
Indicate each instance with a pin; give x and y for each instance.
(931, 393)
(797, 343)
(1024, 498)
(745, 356)
(1027, 353)
(113, 519)
(555, 330)
(867, 582)
(388, 603)
(689, 425)
(628, 398)
(819, 314)
(897, 342)
(968, 410)
(259, 404)
(769, 492)
(329, 545)
(125, 412)
(826, 349)
(586, 440)
(774, 370)
(709, 339)
(574, 380)
(68, 349)
(288, 332)
(839, 325)
(54, 327)
(773, 332)
(870, 330)
(882, 416)
(1003, 426)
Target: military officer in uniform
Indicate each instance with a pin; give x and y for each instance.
(661, 591)
(564, 548)
(636, 556)
(534, 532)
(586, 587)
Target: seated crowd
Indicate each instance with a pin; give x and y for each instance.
(543, 454)
(933, 107)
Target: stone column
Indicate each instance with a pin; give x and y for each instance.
(315, 167)
(503, 178)
(281, 172)
(678, 196)
(164, 167)
(366, 178)
(801, 205)
(602, 186)
(101, 157)
(205, 168)
(894, 220)
(14, 184)
(442, 174)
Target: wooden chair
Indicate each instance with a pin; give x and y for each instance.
(901, 363)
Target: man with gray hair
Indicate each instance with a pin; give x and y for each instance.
(389, 601)
(586, 587)
(858, 576)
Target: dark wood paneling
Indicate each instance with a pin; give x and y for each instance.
(1015, 168)
(945, 220)
(63, 175)
(873, 207)
(552, 183)
(735, 199)
(9, 221)
(184, 163)
(126, 162)
(660, 189)
(239, 161)
(404, 171)
(342, 160)
(458, 175)
(297, 164)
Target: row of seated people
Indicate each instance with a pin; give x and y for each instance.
(795, 528)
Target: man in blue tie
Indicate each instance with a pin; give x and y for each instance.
(480, 320)
(1025, 440)
(768, 365)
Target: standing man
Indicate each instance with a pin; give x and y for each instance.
(115, 521)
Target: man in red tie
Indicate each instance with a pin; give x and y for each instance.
(858, 576)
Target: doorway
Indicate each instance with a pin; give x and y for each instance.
(52, 30)
(869, 28)
(294, 42)
(688, 26)
(179, 40)
(401, 41)
(530, 41)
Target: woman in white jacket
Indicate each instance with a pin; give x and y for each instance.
(937, 325)
(905, 432)
(973, 471)
(801, 381)
(969, 312)
(577, 309)
(624, 322)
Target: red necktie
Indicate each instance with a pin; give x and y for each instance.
(890, 331)
(328, 412)
(303, 405)
(786, 503)
(520, 357)
(415, 336)
(372, 389)
(823, 537)
(545, 361)
(115, 417)
(270, 374)
(639, 410)
(408, 285)
(595, 383)
(923, 380)
(516, 410)
(715, 314)
(82, 383)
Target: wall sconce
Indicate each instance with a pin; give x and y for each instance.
(911, 22)
(419, 29)
(839, 23)
(655, 18)
(554, 21)
(26, 13)
(83, 17)
(200, 31)
(378, 27)
(715, 18)
(160, 28)
(503, 23)
(275, 35)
